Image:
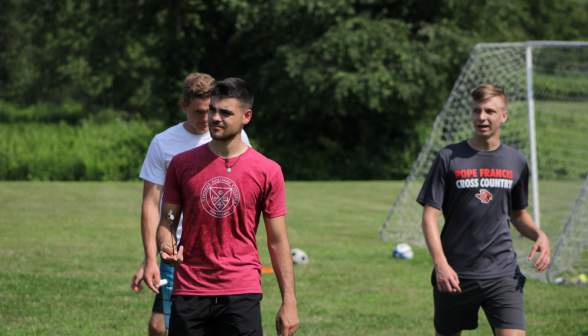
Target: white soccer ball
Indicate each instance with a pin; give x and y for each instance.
(403, 251)
(299, 257)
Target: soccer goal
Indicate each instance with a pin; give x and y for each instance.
(547, 87)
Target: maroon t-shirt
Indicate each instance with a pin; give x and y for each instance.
(221, 216)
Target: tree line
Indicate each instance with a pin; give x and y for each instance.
(344, 89)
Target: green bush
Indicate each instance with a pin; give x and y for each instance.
(86, 152)
(69, 112)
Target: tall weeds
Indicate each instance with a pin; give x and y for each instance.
(85, 152)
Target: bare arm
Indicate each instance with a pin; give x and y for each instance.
(523, 222)
(149, 221)
(279, 248)
(164, 242)
(166, 236)
(447, 280)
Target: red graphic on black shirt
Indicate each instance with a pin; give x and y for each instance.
(485, 196)
(483, 172)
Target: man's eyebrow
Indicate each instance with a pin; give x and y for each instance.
(212, 107)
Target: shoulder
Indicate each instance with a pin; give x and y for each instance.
(193, 153)
(262, 162)
(169, 133)
(448, 151)
(458, 147)
(514, 154)
(169, 137)
(445, 152)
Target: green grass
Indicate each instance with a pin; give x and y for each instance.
(70, 250)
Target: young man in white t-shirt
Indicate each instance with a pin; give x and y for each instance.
(180, 138)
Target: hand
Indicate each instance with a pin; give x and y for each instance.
(151, 276)
(287, 320)
(447, 280)
(137, 278)
(542, 246)
(173, 260)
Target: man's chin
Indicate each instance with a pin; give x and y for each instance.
(221, 136)
(485, 134)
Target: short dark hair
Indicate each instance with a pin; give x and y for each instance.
(197, 85)
(234, 88)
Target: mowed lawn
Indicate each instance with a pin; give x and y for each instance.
(69, 251)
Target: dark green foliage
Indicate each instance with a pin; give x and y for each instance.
(344, 89)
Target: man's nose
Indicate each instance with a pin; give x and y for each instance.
(214, 116)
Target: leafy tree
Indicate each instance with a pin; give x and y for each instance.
(344, 89)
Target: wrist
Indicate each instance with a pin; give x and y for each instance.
(289, 302)
(151, 253)
(440, 262)
(151, 261)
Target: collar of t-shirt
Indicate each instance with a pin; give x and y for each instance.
(492, 152)
(244, 154)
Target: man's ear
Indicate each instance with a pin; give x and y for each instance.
(247, 116)
(184, 105)
(504, 115)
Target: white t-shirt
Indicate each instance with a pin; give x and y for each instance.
(164, 147)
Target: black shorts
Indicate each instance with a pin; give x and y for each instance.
(158, 303)
(501, 298)
(216, 315)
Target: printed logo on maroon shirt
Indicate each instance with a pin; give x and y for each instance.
(220, 196)
(484, 196)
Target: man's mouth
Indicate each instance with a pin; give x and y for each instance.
(483, 127)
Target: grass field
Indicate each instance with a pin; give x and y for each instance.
(70, 249)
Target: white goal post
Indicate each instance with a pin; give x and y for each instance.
(547, 87)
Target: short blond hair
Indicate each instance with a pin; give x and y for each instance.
(197, 85)
(484, 92)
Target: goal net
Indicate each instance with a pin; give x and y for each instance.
(547, 87)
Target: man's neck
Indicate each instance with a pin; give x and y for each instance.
(192, 130)
(228, 148)
(484, 144)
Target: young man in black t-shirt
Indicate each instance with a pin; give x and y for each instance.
(481, 185)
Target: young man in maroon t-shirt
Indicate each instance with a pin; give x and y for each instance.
(222, 189)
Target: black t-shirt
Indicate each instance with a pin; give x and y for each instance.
(476, 192)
